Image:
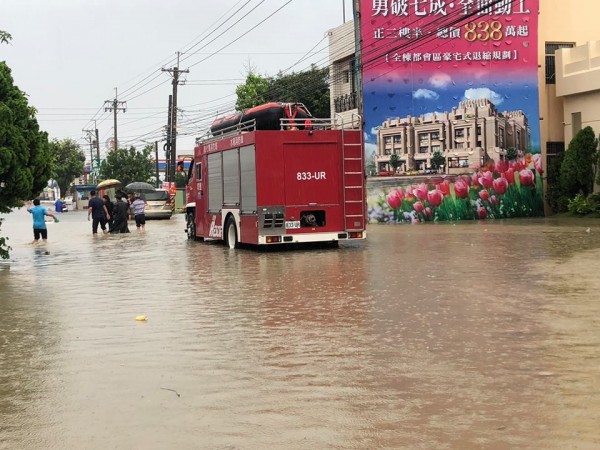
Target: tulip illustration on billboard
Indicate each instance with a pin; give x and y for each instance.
(509, 190)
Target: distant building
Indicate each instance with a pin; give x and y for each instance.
(342, 73)
(578, 84)
(468, 136)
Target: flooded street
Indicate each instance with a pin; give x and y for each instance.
(440, 336)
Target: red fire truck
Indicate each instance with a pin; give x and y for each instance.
(259, 181)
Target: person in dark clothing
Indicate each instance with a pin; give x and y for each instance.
(97, 210)
(121, 210)
(109, 210)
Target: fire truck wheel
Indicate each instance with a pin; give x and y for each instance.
(231, 233)
(191, 227)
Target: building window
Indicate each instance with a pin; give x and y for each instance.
(435, 135)
(455, 163)
(397, 139)
(459, 133)
(551, 48)
(436, 148)
(387, 140)
(553, 151)
(423, 149)
(479, 129)
(346, 76)
(576, 122)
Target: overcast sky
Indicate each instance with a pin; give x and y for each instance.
(70, 55)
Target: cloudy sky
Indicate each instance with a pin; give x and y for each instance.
(70, 55)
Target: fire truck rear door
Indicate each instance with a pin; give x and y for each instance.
(312, 173)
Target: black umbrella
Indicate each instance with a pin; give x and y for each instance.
(140, 186)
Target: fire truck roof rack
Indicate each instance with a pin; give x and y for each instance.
(312, 123)
(238, 128)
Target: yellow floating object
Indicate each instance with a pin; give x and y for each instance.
(141, 318)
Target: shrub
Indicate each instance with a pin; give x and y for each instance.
(582, 205)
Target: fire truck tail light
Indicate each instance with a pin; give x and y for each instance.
(355, 235)
(273, 239)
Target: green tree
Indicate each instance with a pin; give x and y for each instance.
(555, 196)
(577, 171)
(372, 163)
(437, 160)
(511, 154)
(252, 92)
(310, 87)
(5, 37)
(128, 166)
(69, 159)
(25, 158)
(395, 161)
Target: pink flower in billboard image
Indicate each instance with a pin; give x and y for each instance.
(428, 212)
(510, 176)
(500, 185)
(444, 187)
(461, 188)
(481, 212)
(517, 165)
(494, 200)
(526, 177)
(418, 207)
(537, 163)
(395, 197)
(475, 179)
(501, 166)
(420, 191)
(486, 179)
(484, 195)
(435, 197)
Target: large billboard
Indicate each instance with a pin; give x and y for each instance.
(450, 101)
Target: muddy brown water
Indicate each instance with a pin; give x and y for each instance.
(466, 336)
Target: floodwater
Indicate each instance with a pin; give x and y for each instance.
(468, 336)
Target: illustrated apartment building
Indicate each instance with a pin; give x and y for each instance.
(467, 137)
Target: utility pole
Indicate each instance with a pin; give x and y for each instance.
(168, 144)
(156, 161)
(97, 145)
(175, 72)
(115, 106)
(90, 139)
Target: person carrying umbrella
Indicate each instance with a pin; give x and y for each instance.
(138, 208)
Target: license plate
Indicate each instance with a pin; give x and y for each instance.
(292, 224)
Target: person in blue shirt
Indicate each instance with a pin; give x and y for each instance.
(39, 223)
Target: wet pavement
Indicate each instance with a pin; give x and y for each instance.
(440, 336)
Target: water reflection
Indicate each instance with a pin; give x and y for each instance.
(435, 336)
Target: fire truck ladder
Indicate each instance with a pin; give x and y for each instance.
(354, 187)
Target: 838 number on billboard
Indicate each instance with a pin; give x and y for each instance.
(308, 176)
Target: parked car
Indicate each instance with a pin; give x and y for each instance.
(158, 204)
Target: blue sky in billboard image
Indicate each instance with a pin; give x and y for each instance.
(70, 55)
(385, 100)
